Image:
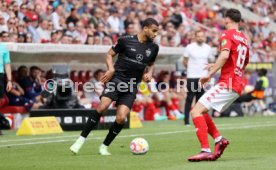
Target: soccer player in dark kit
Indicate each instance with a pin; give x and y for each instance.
(136, 56)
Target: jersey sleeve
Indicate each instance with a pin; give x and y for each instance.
(225, 42)
(119, 47)
(6, 56)
(155, 53)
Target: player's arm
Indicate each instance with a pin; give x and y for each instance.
(148, 72)
(223, 57)
(110, 68)
(186, 57)
(185, 61)
(149, 69)
(7, 62)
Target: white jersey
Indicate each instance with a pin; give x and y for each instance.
(198, 56)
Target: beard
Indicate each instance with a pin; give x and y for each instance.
(200, 42)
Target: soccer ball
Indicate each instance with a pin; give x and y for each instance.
(139, 146)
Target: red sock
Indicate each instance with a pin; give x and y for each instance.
(212, 129)
(201, 131)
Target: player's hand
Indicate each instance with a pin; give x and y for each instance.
(203, 80)
(107, 76)
(9, 86)
(147, 77)
(208, 67)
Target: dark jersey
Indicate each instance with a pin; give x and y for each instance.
(133, 58)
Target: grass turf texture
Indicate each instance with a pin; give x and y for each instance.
(252, 146)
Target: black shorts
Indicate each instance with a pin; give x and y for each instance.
(2, 85)
(125, 97)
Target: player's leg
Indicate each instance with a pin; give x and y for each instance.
(212, 129)
(115, 129)
(201, 132)
(124, 105)
(218, 98)
(91, 123)
(189, 101)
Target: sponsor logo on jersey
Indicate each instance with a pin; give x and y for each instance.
(223, 42)
(132, 49)
(139, 57)
(107, 90)
(148, 52)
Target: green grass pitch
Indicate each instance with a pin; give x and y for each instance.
(252, 146)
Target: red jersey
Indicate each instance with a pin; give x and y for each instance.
(232, 72)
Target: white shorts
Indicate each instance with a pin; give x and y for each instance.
(218, 98)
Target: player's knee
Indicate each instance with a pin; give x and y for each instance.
(195, 113)
(102, 108)
(120, 119)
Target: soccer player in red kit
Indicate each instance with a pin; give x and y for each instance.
(233, 58)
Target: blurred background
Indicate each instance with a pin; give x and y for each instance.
(45, 34)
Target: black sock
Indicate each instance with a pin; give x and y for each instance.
(90, 124)
(114, 130)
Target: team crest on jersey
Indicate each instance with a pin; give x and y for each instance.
(148, 52)
(223, 42)
(139, 57)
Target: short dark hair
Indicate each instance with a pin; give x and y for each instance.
(233, 14)
(33, 68)
(148, 22)
(262, 72)
(97, 72)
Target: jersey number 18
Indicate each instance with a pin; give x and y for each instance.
(241, 56)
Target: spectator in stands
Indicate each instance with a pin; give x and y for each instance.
(96, 16)
(81, 32)
(29, 38)
(22, 73)
(42, 31)
(129, 29)
(95, 93)
(22, 11)
(31, 24)
(4, 36)
(54, 37)
(101, 30)
(21, 27)
(114, 21)
(48, 14)
(73, 17)
(107, 40)
(3, 25)
(16, 98)
(32, 84)
(56, 16)
(11, 25)
(4, 10)
(21, 38)
(97, 40)
(196, 56)
(66, 39)
(71, 31)
(13, 37)
(90, 40)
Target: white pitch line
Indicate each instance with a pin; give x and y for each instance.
(137, 135)
(74, 136)
(43, 138)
